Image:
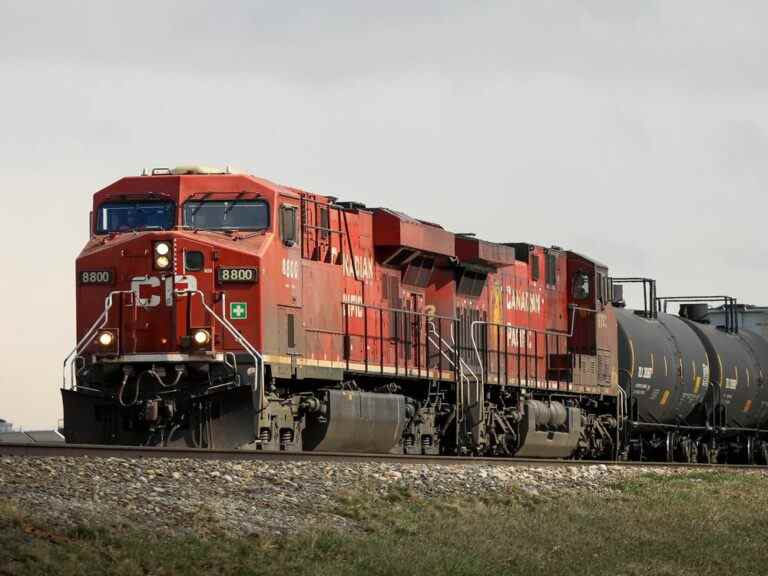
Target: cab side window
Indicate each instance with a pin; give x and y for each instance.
(602, 288)
(551, 270)
(288, 224)
(534, 263)
(580, 286)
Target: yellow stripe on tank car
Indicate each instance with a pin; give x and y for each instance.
(722, 375)
(664, 398)
(696, 384)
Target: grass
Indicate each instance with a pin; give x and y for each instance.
(697, 524)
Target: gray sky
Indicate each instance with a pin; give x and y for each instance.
(634, 132)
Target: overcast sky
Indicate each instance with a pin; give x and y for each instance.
(634, 132)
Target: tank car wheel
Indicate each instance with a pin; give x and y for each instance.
(763, 453)
(694, 453)
(669, 447)
(749, 447)
(720, 454)
(685, 450)
(635, 451)
(704, 456)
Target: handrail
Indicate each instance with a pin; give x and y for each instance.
(730, 307)
(460, 415)
(622, 405)
(559, 333)
(100, 322)
(463, 366)
(405, 310)
(258, 359)
(433, 331)
(621, 414)
(462, 362)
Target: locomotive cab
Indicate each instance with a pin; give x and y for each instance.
(592, 325)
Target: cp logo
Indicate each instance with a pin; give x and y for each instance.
(146, 289)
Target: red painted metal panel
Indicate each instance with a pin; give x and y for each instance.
(475, 251)
(394, 229)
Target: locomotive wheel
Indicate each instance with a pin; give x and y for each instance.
(636, 450)
(693, 456)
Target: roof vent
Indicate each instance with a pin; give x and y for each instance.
(195, 169)
(184, 170)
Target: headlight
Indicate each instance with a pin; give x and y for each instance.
(201, 337)
(106, 339)
(162, 255)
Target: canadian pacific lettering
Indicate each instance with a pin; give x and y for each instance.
(523, 301)
(363, 267)
(355, 300)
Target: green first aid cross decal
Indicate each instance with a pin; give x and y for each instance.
(238, 310)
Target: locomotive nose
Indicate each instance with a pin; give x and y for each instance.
(182, 292)
(163, 310)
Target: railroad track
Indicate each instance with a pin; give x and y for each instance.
(139, 452)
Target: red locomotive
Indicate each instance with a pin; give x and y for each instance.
(223, 310)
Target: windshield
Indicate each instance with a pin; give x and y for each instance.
(226, 214)
(127, 216)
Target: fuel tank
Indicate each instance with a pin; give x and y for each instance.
(355, 421)
(739, 365)
(664, 369)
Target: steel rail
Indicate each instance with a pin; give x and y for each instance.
(142, 452)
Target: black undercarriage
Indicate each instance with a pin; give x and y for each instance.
(215, 405)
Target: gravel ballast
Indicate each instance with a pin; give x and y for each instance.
(245, 497)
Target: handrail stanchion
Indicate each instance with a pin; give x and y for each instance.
(258, 359)
(100, 322)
